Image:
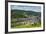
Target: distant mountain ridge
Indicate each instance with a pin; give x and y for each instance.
(23, 13)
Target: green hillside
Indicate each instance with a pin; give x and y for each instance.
(23, 14)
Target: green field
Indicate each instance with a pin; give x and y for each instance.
(29, 25)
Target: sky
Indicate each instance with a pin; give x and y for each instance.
(26, 8)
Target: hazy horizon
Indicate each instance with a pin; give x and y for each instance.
(26, 8)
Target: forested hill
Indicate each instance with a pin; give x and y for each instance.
(23, 13)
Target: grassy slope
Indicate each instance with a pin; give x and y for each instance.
(27, 25)
(20, 13)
